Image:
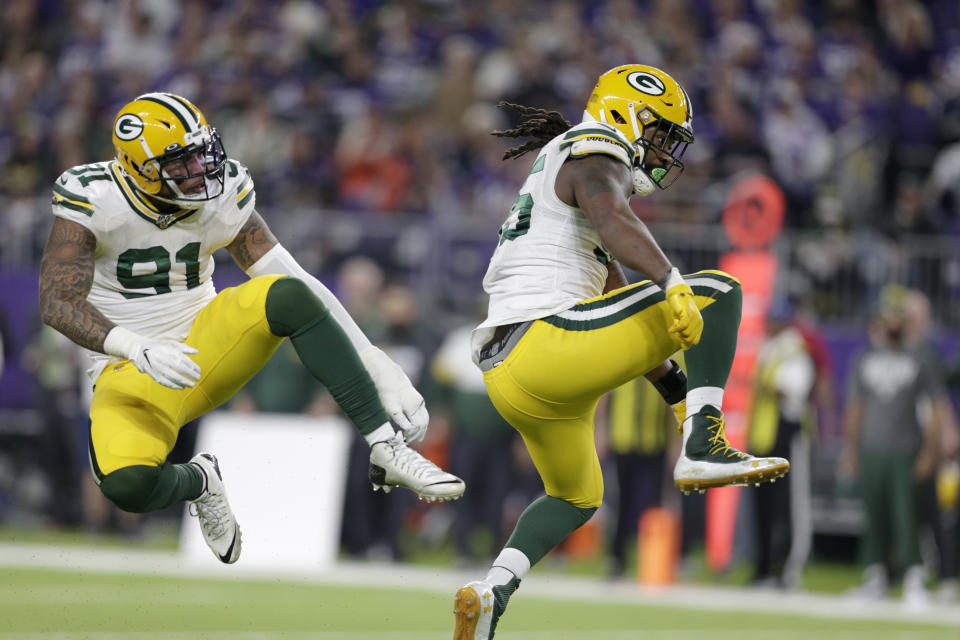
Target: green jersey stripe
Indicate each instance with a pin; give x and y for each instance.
(605, 152)
(130, 194)
(123, 191)
(66, 204)
(145, 204)
(243, 201)
(597, 131)
(85, 168)
(630, 150)
(245, 186)
(140, 207)
(69, 195)
(142, 204)
(576, 131)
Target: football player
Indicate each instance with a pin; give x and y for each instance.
(127, 274)
(564, 327)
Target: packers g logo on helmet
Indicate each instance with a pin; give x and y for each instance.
(646, 83)
(168, 151)
(128, 127)
(653, 111)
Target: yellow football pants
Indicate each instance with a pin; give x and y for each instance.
(135, 420)
(549, 384)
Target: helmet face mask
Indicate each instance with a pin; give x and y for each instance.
(653, 111)
(191, 174)
(664, 142)
(168, 151)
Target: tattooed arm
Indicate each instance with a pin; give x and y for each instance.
(253, 241)
(66, 274)
(258, 252)
(601, 187)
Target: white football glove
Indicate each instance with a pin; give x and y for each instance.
(165, 361)
(403, 403)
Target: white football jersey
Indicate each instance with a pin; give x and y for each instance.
(152, 271)
(549, 257)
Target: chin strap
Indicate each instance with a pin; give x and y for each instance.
(643, 184)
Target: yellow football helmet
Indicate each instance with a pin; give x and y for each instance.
(162, 139)
(634, 97)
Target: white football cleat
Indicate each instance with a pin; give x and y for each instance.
(478, 606)
(707, 460)
(394, 464)
(219, 525)
(473, 611)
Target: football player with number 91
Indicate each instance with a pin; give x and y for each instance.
(563, 326)
(127, 274)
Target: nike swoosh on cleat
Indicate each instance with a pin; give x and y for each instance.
(377, 474)
(225, 558)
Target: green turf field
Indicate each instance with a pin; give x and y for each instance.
(39, 603)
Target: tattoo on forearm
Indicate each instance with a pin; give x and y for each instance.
(66, 273)
(252, 242)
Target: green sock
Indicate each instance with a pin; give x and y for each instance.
(544, 524)
(709, 362)
(327, 353)
(325, 350)
(142, 488)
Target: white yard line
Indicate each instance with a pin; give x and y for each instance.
(659, 634)
(662, 634)
(443, 580)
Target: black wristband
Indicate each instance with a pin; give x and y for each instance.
(673, 385)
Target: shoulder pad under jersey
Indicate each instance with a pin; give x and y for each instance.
(239, 183)
(596, 137)
(75, 189)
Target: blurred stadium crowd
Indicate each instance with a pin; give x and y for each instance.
(366, 125)
(384, 108)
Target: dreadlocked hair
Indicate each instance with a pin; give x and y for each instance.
(540, 124)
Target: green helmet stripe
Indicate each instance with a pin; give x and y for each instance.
(186, 105)
(173, 107)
